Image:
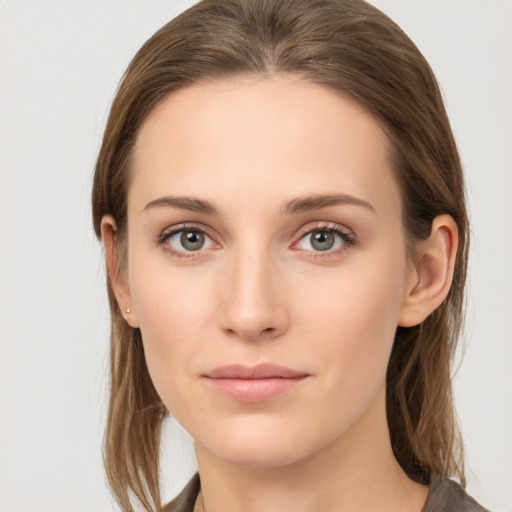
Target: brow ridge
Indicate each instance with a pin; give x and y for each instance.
(296, 205)
(317, 202)
(184, 203)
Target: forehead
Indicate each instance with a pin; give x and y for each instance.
(272, 136)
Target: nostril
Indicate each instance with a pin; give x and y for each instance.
(253, 335)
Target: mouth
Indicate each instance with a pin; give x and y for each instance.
(254, 383)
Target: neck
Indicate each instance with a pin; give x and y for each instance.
(356, 471)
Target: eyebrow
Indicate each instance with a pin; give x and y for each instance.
(317, 202)
(184, 203)
(297, 205)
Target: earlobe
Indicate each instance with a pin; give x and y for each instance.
(431, 277)
(117, 277)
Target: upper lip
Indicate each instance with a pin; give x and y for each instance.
(260, 371)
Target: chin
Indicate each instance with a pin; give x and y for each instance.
(258, 445)
(258, 456)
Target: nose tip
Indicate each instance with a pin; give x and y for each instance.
(253, 304)
(254, 315)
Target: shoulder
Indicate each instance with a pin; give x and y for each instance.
(186, 499)
(448, 496)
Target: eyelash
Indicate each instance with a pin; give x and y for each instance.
(348, 238)
(168, 233)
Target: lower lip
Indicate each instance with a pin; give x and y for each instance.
(254, 390)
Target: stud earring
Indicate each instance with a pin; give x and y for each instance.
(128, 311)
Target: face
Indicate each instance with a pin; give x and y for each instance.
(266, 266)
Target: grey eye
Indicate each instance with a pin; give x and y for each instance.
(189, 240)
(192, 240)
(322, 240)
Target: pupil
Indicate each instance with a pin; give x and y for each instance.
(192, 240)
(322, 240)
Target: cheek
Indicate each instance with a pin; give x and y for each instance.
(170, 329)
(172, 307)
(360, 301)
(352, 325)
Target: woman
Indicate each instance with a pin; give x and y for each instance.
(282, 208)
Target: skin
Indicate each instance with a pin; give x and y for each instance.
(260, 292)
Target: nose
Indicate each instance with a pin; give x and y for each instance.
(253, 299)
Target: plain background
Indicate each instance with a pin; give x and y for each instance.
(60, 63)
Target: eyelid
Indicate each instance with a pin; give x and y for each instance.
(176, 228)
(324, 225)
(348, 236)
(170, 231)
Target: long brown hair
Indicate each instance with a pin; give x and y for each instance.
(351, 48)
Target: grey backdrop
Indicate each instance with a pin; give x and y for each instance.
(60, 62)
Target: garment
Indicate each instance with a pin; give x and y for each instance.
(444, 496)
(448, 496)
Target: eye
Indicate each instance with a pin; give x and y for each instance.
(325, 239)
(185, 240)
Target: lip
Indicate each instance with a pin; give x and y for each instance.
(254, 383)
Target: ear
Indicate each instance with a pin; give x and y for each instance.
(431, 275)
(116, 273)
